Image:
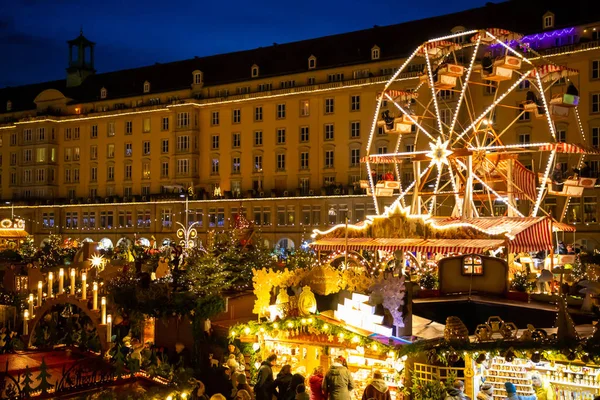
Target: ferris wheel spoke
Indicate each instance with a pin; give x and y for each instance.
(433, 93)
(412, 119)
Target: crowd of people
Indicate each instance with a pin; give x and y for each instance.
(336, 384)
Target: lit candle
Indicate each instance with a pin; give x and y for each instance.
(95, 301)
(108, 328)
(83, 286)
(39, 302)
(61, 280)
(50, 279)
(103, 305)
(30, 304)
(73, 281)
(25, 322)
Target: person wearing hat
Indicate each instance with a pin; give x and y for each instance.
(486, 392)
(511, 393)
(543, 390)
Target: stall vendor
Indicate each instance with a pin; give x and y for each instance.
(543, 390)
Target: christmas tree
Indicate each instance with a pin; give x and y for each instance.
(43, 378)
(27, 381)
(119, 362)
(28, 250)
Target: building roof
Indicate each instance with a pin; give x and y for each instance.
(395, 41)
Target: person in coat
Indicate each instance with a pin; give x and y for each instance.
(263, 389)
(543, 390)
(301, 393)
(282, 383)
(377, 389)
(486, 392)
(338, 382)
(511, 393)
(457, 391)
(315, 382)
(242, 384)
(297, 380)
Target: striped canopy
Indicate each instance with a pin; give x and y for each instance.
(523, 179)
(424, 245)
(552, 72)
(501, 34)
(399, 94)
(439, 46)
(570, 148)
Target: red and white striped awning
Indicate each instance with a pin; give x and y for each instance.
(386, 158)
(551, 72)
(562, 227)
(524, 180)
(570, 148)
(402, 95)
(501, 34)
(444, 246)
(535, 238)
(439, 46)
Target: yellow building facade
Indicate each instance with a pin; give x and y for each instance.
(110, 156)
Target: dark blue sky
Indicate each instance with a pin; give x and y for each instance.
(132, 33)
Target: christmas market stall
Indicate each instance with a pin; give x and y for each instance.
(322, 312)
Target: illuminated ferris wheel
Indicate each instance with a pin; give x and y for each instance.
(452, 124)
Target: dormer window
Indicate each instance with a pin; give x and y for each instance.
(103, 93)
(375, 53)
(254, 71)
(146, 87)
(312, 62)
(8, 105)
(197, 77)
(548, 20)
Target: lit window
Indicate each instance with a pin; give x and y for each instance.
(472, 265)
(375, 53)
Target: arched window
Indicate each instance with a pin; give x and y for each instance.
(123, 242)
(548, 20)
(143, 242)
(146, 87)
(105, 244)
(254, 71)
(375, 53)
(285, 244)
(197, 77)
(312, 62)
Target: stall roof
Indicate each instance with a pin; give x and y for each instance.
(8, 233)
(425, 245)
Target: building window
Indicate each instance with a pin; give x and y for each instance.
(110, 129)
(262, 216)
(215, 118)
(164, 126)
(164, 146)
(590, 210)
(523, 115)
(280, 162)
(128, 127)
(304, 134)
(110, 151)
(68, 135)
(446, 116)
(304, 108)
(258, 138)
(183, 120)
(524, 138)
(355, 102)
(197, 78)
(41, 134)
(237, 116)
(183, 143)
(93, 174)
(146, 87)
(13, 139)
(329, 159)
(143, 218)
(214, 166)
(165, 218)
(40, 155)
(596, 137)
(67, 175)
(524, 85)
(561, 135)
(28, 136)
(264, 87)
(128, 171)
(164, 169)
(329, 106)
(93, 132)
(595, 69)
(67, 154)
(312, 62)
(548, 21)
(183, 166)
(48, 220)
(146, 170)
(472, 265)
(304, 160)
(281, 111)
(375, 53)
(311, 81)
(215, 142)
(335, 77)
(287, 84)
(236, 165)
(355, 129)
(258, 114)
(128, 149)
(254, 71)
(280, 135)
(595, 102)
(258, 163)
(27, 155)
(41, 175)
(329, 132)
(354, 157)
(146, 148)
(110, 173)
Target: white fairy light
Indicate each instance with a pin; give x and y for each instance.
(455, 35)
(543, 185)
(413, 120)
(516, 53)
(543, 96)
(432, 87)
(439, 153)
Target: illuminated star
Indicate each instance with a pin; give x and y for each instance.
(439, 152)
(97, 260)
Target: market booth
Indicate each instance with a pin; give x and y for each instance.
(308, 329)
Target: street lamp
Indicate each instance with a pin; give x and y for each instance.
(187, 233)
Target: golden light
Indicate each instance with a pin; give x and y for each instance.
(97, 260)
(439, 152)
(247, 330)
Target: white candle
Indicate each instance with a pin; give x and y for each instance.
(50, 279)
(83, 286)
(103, 305)
(73, 281)
(30, 304)
(25, 322)
(61, 281)
(108, 328)
(95, 300)
(39, 302)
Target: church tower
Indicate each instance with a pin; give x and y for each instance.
(81, 60)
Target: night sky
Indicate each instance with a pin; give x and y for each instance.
(135, 33)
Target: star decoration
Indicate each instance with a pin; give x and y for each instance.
(330, 338)
(439, 152)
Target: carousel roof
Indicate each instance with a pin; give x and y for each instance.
(410, 244)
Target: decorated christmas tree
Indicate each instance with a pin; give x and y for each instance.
(28, 250)
(43, 377)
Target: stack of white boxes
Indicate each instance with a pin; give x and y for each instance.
(357, 312)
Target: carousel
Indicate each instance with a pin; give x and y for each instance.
(465, 187)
